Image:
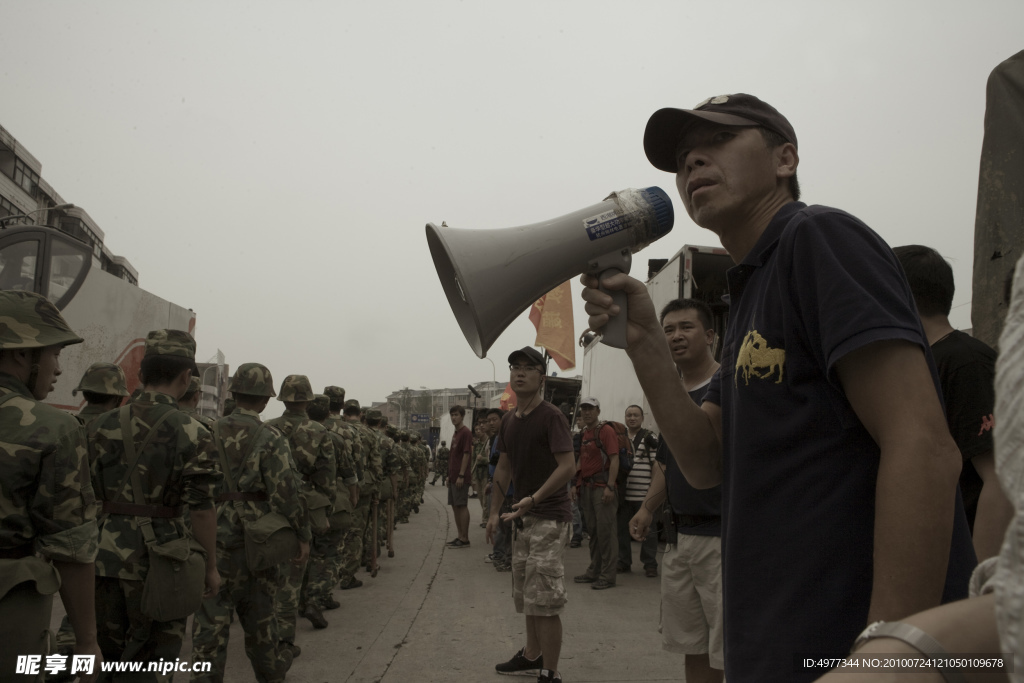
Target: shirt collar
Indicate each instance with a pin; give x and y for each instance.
(768, 240)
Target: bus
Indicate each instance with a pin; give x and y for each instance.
(111, 313)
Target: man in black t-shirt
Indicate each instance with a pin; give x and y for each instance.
(536, 457)
(966, 371)
(691, 568)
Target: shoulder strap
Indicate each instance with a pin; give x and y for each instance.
(128, 441)
(132, 455)
(229, 475)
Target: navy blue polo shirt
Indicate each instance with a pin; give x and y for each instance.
(799, 469)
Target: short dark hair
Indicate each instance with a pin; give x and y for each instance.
(337, 405)
(317, 411)
(351, 410)
(457, 409)
(703, 311)
(930, 277)
(773, 140)
(496, 411)
(93, 397)
(637, 407)
(163, 369)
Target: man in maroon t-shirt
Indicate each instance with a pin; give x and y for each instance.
(458, 476)
(536, 454)
(599, 465)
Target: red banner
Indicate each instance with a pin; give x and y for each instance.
(508, 398)
(552, 316)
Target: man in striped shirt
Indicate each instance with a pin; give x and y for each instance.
(631, 497)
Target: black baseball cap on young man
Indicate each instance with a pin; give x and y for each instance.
(532, 355)
(666, 126)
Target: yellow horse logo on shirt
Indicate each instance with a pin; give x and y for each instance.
(758, 359)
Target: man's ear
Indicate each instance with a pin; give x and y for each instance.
(787, 160)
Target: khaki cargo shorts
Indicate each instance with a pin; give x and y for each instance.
(691, 597)
(538, 572)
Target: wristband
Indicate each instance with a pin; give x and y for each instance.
(915, 638)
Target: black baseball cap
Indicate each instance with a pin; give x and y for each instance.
(533, 355)
(666, 126)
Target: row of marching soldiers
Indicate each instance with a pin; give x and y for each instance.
(144, 514)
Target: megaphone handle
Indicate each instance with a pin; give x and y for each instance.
(614, 333)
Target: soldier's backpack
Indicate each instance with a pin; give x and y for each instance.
(625, 448)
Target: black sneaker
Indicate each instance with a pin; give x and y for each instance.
(548, 676)
(519, 665)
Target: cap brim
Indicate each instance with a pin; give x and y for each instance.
(666, 127)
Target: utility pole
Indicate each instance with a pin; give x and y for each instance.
(999, 218)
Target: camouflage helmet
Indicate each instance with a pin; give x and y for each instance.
(391, 431)
(103, 378)
(194, 385)
(320, 401)
(336, 394)
(351, 403)
(373, 414)
(170, 343)
(295, 389)
(252, 379)
(30, 321)
(415, 437)
(229, 406)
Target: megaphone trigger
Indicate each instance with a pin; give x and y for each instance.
(614, 332)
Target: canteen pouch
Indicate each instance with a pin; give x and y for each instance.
(175, 581)
(269, 541)
(318, 506)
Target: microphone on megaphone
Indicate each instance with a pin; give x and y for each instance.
(491, 276)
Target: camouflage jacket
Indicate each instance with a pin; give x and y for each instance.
(357, 447)
(178, 467)
(391, 463)
(441, 460)
(312, 452)
(267, 469)
(46, 495)
(87, 415)
(196, 415)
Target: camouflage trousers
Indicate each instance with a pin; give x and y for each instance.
(251, 595)
(289, 591)
(125, 634)
(350, 550)
(358, 553)
(324, 561)
(402, 507)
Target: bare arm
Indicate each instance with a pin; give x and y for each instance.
(78, 591)
(890, 388)
(994, 510)
(964, 627)
(502, 475)
(204, 526)
(692, 434)
(656, 495)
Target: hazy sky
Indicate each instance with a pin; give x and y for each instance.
(272, 165)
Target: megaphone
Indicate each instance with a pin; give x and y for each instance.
(491, 276)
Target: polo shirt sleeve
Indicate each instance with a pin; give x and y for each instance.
(846, 284)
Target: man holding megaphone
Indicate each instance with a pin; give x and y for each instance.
(839, 477)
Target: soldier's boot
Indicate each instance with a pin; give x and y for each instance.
(350, 583)
(315, 616)
(329, 603)
(291, 647)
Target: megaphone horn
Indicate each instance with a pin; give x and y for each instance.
(491, 276)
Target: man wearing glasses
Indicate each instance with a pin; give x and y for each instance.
(535, 454)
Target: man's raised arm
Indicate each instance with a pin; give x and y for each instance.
(693, 434)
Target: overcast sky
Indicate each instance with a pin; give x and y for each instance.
(272, 165)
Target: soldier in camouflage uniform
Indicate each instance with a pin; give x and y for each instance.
(323, 578)
(189, 403)
(367, 463)
(259, 462)
(421, 458)
(229, 407)
(441, 463)
(315, 462)
(103, 387)
(176, 466)
(391, 465)
(48, 535)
